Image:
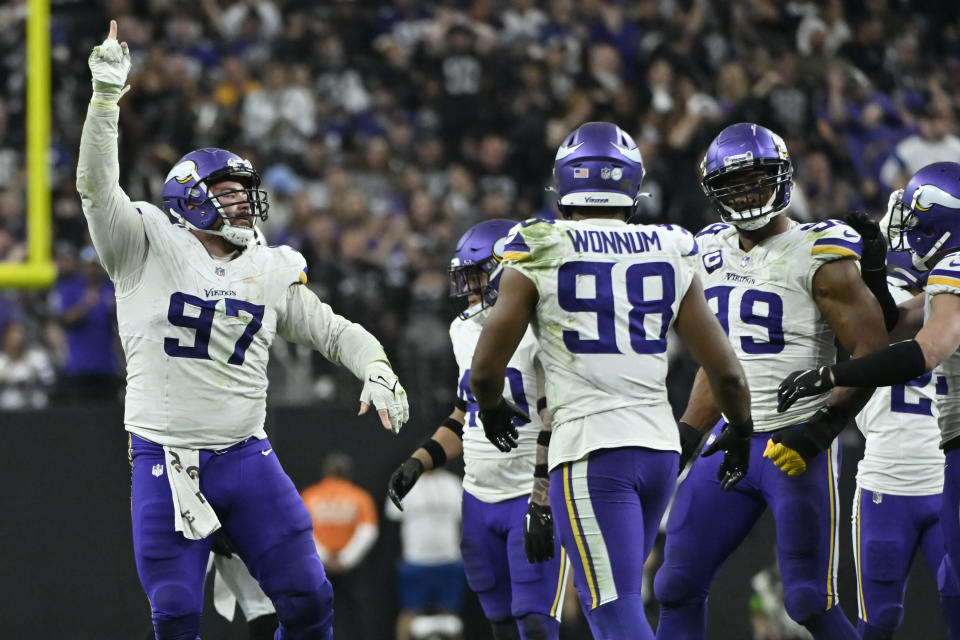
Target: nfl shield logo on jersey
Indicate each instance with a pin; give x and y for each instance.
(221, 271)
(744, 260)
(157, 470)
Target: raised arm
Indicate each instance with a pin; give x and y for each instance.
(115, 225)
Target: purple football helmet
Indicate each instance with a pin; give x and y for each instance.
(900, 270)
(742, 149)
(479, 251)
(187, 198)
(598, 165)
(926, 217)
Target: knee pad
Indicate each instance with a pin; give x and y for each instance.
(180, 628)
(672, 588)
(803, 603)
(174, 601)
(537, 626)
(306, 615)
(505, 629)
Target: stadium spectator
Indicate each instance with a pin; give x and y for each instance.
(26, 373)
(83, 305)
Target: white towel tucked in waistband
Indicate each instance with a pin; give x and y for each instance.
(192, 514)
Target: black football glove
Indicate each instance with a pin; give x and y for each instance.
(734, 441)
(221, 545)
(802, 384)
(538, 533)
(874, 256)
(690, 439)
(791, 449)
(498, 424)
(402, 480)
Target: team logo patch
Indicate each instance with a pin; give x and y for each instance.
(157, 470)
(712, 261)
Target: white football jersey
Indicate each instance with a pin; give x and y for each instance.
(490, 474)
(196, 329)
(608, 294)
(764, 301)
(945, 278)
(902, 456)
(196, 332)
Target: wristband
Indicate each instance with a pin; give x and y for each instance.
(461, 404)
(689, 433)
(540, 471)
(544, 438)
(897, 364)
(453, 425)
(541, 404)
(435, 449)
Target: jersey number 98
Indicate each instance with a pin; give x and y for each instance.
(602, 303)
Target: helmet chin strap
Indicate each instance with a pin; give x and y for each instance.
(920, 262)
(241, 237)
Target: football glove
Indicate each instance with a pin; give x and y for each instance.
(498, 424)
(402, 480)
(538, 533)
(802, 384)
(382, 389)
(109, 65)
(734, 441)
(791, 449)
(874, 256)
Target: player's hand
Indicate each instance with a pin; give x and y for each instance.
(874, 256)
(538, 533)
(109, 64)
(803, 384)
(498, 424)
(734, 441)
(402, 480)
(690, 439)
(791, 449)
(382, 389)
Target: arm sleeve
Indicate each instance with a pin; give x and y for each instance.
(115, 225)
(312, 323)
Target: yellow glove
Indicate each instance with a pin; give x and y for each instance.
(786, 459)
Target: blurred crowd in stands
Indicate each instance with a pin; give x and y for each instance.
(384, 130)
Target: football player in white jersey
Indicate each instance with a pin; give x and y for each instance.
(601, 296)
(896, 508)
(199, 302)
(505, 509)
(925, 219)
(782, 291)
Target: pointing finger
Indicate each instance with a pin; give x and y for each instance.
(113, 30)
